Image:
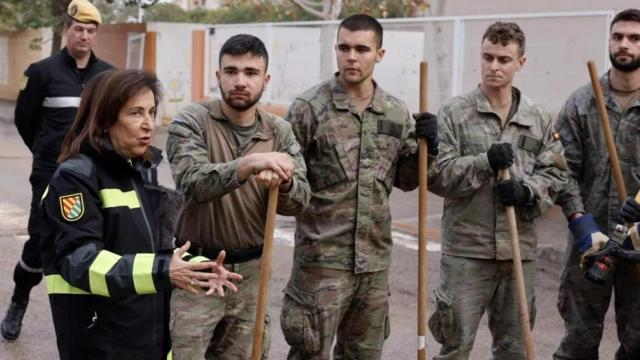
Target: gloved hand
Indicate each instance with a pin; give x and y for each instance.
(630, 211)
(500, 156)
(513, 193)
(599, 264)
(427, 128)
(588, 236)
(628, 255)
(632, 242)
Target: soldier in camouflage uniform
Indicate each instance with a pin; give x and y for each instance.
(491, 128)
(224, 156)
(358, 142)
(581, 303)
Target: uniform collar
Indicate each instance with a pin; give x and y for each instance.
(341, 99)
(607, 94)
(111, 158)
(265, 129)
(72, 61)
(484, 106)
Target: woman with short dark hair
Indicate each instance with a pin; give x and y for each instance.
(101, 221)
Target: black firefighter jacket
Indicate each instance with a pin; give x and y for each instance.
(48, 102)
(105, 243)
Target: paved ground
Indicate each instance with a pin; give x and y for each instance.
(37, 340)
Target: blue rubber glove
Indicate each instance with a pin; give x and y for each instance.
(587, 234)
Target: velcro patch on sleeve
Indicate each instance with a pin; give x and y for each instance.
(530, 144)
(390, 128)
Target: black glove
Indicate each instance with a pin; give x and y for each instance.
(513, 193)
(427, 128)
(628, 255)
(500, 156)
(598, 265)
(630, 211)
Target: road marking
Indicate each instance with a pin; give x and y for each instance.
(285, 235)
(13, 222)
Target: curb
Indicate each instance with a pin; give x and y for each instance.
(547, 253)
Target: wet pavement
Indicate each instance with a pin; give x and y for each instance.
(38, 341)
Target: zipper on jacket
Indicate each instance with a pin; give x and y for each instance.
(144, 214)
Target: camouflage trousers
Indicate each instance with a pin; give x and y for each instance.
(583, 305)
(469, 287)
(209, 327)
(321, 305)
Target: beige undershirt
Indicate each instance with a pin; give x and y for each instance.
(626, 98)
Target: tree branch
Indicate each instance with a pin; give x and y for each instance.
(306, 6)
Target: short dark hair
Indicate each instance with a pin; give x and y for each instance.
(102, 99)
(363, 22)
(242, 44)
(505, 33)
(626, 15)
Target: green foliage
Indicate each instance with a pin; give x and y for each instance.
(116, 11)
(23, 14)
(251, 11)
(143, 3)
(167, 12)
(18, 15)
(384, 8)
(230, 11)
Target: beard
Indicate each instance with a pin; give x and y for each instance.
(631, 66)
(238, 104)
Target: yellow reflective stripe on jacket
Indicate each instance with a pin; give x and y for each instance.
(199, 259)
(98, 272)
(115, 197)
(56, 284)
(170, 355)
(143, 274)
(194, 258)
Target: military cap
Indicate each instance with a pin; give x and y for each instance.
(83, 11)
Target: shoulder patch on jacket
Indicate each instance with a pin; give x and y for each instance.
(71, 207)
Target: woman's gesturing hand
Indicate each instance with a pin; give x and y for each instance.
(195, 276)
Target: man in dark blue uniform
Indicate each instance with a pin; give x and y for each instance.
(46, 106)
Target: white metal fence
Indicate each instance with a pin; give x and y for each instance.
(558, 47)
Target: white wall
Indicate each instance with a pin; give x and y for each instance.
(558, 46)
(173, 63)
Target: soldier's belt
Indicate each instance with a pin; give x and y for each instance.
(232, 256)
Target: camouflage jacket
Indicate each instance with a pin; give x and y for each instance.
(354, 161)
(220, 212)
(474, 223)
(587, 154)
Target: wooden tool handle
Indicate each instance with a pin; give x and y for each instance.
(606, 129)
(521, 292)
(422, 222)
(263, 293)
